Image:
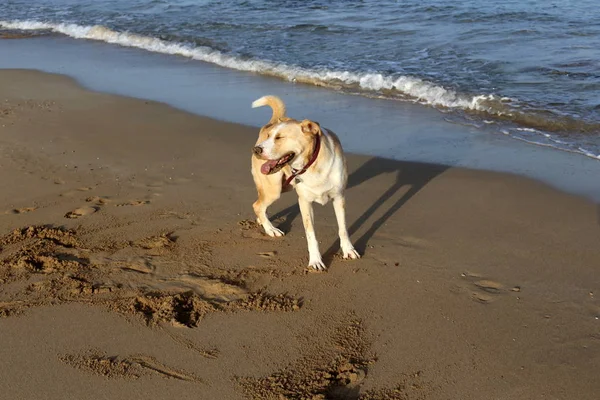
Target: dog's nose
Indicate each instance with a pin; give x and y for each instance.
(257, 150)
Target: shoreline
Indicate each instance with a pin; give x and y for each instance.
(397, 130)
(130, 266)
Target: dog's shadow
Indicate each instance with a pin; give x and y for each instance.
(411, 174)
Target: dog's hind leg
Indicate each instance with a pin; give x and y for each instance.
(339, 206)
(260, 208)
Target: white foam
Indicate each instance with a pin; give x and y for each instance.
(588, 153)
(422, 91)
(527, 130)
(552, 142)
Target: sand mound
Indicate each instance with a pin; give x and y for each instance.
(60, 236)
(99, 363)
(267, 302)
(333, 372)
(41, 249)
(57, 269)
(180, 309)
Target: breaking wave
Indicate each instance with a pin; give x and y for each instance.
(393, 86)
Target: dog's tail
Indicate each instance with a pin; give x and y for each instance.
(275, 103)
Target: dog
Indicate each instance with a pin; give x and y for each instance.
(303, 156)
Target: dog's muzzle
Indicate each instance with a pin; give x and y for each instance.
(257, 150)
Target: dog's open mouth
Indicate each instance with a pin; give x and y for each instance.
(272, 166)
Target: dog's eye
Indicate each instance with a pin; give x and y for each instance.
(278, 137)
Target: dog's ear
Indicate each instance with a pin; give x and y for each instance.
(310, 127)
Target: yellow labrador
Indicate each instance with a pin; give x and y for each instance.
(302, 155)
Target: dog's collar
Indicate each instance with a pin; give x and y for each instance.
(312, 160)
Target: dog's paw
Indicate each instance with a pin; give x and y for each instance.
(274, 232)
(317, 265)
(350, 254)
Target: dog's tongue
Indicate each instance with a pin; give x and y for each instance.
(267, 167)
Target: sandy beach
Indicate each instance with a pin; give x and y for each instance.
(131, 267)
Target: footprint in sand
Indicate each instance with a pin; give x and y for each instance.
(72, 192)
(487, 290)
(252, 230)
(247, 224)
(134, 203)
(98, 200)
(268, 254)
(156, 242)
(23, 210)
(482, 297)
(489, 286)
(81, 212)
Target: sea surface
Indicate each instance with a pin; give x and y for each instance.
(528, 69)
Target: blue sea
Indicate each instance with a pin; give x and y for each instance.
(526, 69)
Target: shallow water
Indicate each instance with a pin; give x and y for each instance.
(398, 130)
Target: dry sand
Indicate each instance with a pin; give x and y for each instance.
(130, 268)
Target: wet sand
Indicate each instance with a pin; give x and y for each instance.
(131, 268)
(393, 129)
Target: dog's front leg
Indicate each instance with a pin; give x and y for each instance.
(314, 255)
(339, 205)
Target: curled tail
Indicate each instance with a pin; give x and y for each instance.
(275, 103)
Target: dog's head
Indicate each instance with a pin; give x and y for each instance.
(286, 142)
